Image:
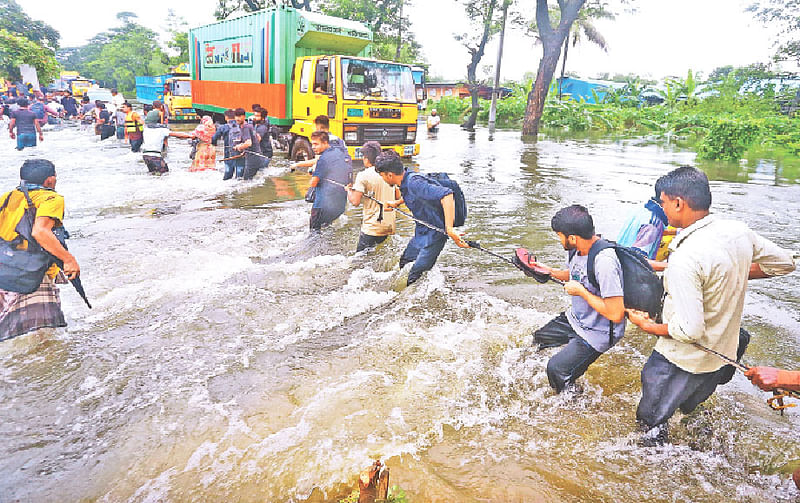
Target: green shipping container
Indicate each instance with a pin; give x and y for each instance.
(247, 60)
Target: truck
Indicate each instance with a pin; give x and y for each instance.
(73, 82)
(299, 65)
(173, 89)
(418, 72)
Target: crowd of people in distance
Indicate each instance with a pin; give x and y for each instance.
(247, 141)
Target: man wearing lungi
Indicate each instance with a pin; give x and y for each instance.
(22, 313)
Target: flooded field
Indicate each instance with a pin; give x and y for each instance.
(231, 357)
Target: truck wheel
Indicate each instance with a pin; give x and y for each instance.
(301, 150)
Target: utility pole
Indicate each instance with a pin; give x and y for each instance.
(496, 90)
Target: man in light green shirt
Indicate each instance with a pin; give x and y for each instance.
(706, 279)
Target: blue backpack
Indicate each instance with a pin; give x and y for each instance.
(458, 195)
(38, 109)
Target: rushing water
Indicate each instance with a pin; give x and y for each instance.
(230, 357)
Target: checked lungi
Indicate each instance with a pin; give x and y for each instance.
(22, 313)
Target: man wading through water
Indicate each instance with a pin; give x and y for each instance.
(26, 124)
(377, 223)
(585, 328)
(133, 127)
(22, 313)
(429, 202)
(710, 262)
(332, 163)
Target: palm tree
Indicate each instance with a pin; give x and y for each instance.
(584, 29)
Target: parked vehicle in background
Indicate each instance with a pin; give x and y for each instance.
(299, 65)
(173, 89)
(419, 83)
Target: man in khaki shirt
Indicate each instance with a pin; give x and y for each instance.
(706, 279)
(377, 224)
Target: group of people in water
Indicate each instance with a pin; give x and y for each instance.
(706, 260)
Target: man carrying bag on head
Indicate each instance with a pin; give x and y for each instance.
(35, 210)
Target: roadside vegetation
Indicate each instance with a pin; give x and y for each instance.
(738, 109)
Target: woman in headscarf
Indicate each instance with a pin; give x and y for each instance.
(206, 155)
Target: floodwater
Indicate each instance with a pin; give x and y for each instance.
(230, 357)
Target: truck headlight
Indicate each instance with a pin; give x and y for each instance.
(351, 136)
(411, 134)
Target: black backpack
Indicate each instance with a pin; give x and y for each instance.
(642, 289)
(235, 136)
(458, 195)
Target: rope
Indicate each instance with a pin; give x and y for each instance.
(472, 244)
(779, 393)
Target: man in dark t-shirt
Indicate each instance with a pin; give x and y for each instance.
(26, 124)
(245, 144)
(70, 105)
(331, 199)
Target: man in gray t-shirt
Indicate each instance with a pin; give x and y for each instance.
(596, 319)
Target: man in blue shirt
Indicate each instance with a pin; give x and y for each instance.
(429, 202)
(332, 164)
(232, 166)
(596, 320)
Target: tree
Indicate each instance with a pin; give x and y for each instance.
(226, 7)
(392, 35)
(16, 50)
(14, 20)
(179, 43)
(117, 57)
(584, 28)
(552, 38)
(784, 15)
(76, 58)
(483, 17)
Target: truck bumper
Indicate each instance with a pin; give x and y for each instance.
(402, 150)
(184, 115)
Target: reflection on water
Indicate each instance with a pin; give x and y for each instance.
(230, 356)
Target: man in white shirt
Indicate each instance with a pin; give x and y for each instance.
(116, 101)
(377, 222)
(706, 278)
(155, 143)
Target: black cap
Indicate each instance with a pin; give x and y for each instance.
(37, 170)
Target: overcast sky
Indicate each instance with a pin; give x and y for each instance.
(662, 38)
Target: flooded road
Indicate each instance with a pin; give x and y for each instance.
(230, 357)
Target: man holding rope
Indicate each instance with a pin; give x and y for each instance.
(428, 202)
(331, 199)
(378, 219)
(710, 262)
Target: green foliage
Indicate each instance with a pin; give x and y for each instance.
(179, 43)
(735, 115)
(14, 20)
(783, 16)
(728, 139)
(126, 52)
(16, 50)
(450, 109)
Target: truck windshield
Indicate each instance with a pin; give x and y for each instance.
(365, 80)
(182, 88)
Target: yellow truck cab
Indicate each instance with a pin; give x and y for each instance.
(178, 98)
(79, 86)
(364, 99)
